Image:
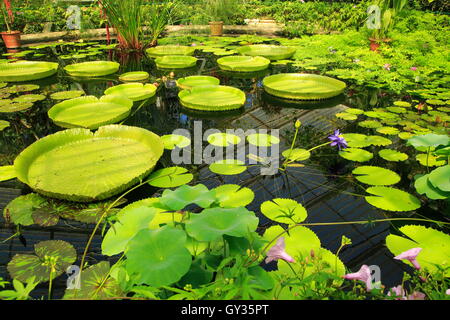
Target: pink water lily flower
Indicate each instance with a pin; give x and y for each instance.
(277, 252)
(411, 256)
(387, 66)
(364, 274)
(399, 292)
(414, 68)
(416, 295)
(447, 292)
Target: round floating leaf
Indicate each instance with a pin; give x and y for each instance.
(134, 76)
(233, 195)
(7, 173)
(435, 102)
(79, 165)
(175, 140)
(392, 155)
(27, 70)
(378, 141)
(346, 116)
(170, 177)
(133, 91)
(90, 112)
(262, 139)
(212, 98)
(20, 210)
(429, 140)
(356, 140)
(405, 135)
(371, 124)
(440, 178)
(388, 130)
(23, 88)
(176, 62)
(228, 167)
(95, 283)
(158, 257)
(424, 186)
(392, 199)
(284, 210)
(376, 176)
(92, 68)
(355, 154)
(402, 104)
(302, 86)
(396, 109)
(132, 219)
(429, 160)
(243, 63)
(296, 154)
(29, 98)
(65, 95)
(15, 107)
(170, 50)
(271, 52)
(185, 195)
(223, 139)
(354, 111)
(197, 81)
(213, 223)
(56, 253)
(435, 246)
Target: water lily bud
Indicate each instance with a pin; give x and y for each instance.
(172, 74)
(298, 124)
(312, 253)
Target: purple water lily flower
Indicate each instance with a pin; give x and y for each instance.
(338, 140)
(411, 256)
(363, 274)
(277, 252)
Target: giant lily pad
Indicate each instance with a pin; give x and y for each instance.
(90, 112)
(175, 62)
(160, 51)
(27, 70)
(212, 98)
(158, 257)
(392, 199)
(92, 68)
(268, 51)
(243, 63)
(79, 165)
(376, 176)
(134, 76)
(133, 91)
(435, 246)
(7, 173)
(356, 154)
(56, 253)
(197, 81)
(305, 86)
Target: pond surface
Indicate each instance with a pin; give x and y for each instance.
(321, 186)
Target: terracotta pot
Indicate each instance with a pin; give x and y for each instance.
(216, 28)
(11, 39)
(375, 43)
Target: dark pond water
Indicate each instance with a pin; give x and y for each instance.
(321, 186)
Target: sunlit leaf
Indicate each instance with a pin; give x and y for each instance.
(392, 199)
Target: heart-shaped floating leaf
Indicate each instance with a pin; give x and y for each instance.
(378, 141)
(404, 104)
(185, 195)
(51, 254)
(346, 116)
(372, 124)
(405, 135)
(376, 176)
(65, 95)
(95, 284)
(132, 219)
(223, 139)
(7, 173)
(435, 246)
(424, 186)
(213, 223)
(228, 167)
(356, 140)
(296, 154)
(284, 210)
(20, 210)
(175, 140)
(354, 111)
(429, 160)
(355, 154)
(170, 177)
(392, 199)
(233, 195)
(429, 140)
(392, 155)
(158, 257)
(440, 178)
(262, 139)
(3, 125)
(388, 130)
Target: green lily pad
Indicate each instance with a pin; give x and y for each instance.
(405, 135)
(296, 154)
(376, 176)
(99, 171)
(392, 155)
(223, 139)
(158, 257)
(233, 195)
(356, 140)
(440, 178)
(20, 210)
(354, 111)
(212, 98)
(90, 112)
(371, 124)
(185, 195)
(176, 62)
(271, 52)
(429, 160)
(392, 199)
(435, 246)
(429, 140)
(197, 81)
(284, 211)
(15, 107)
(388, 130)
(27, 70)
(356, 154)
(243, 63)
(92, 68)
(424, 186)
(58, 253)
(7, 173)
(64, 95)
(170, 50)
(170, 177)
(134, 76)
(403, 104)
(346, 116)
(29, 98)
(262, 139)
(396, 109)
(212, 224)
(228, 167)
(133, 91)
(175, 140)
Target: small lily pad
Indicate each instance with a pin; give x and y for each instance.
(7, 173)
(228, 167)
(3, 125)
(221, 139)
(296, 154)
(262, 139)
(376, 176)
(392, 155)
(372, 124)
(134, 76)
(233, 195)
(175, 140)
(429, 160)
(392, 199)
(356, 154)
(65, 95)
(284, 210)
(170, 177)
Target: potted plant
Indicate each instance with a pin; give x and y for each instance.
(10, 37)
(218, 13)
